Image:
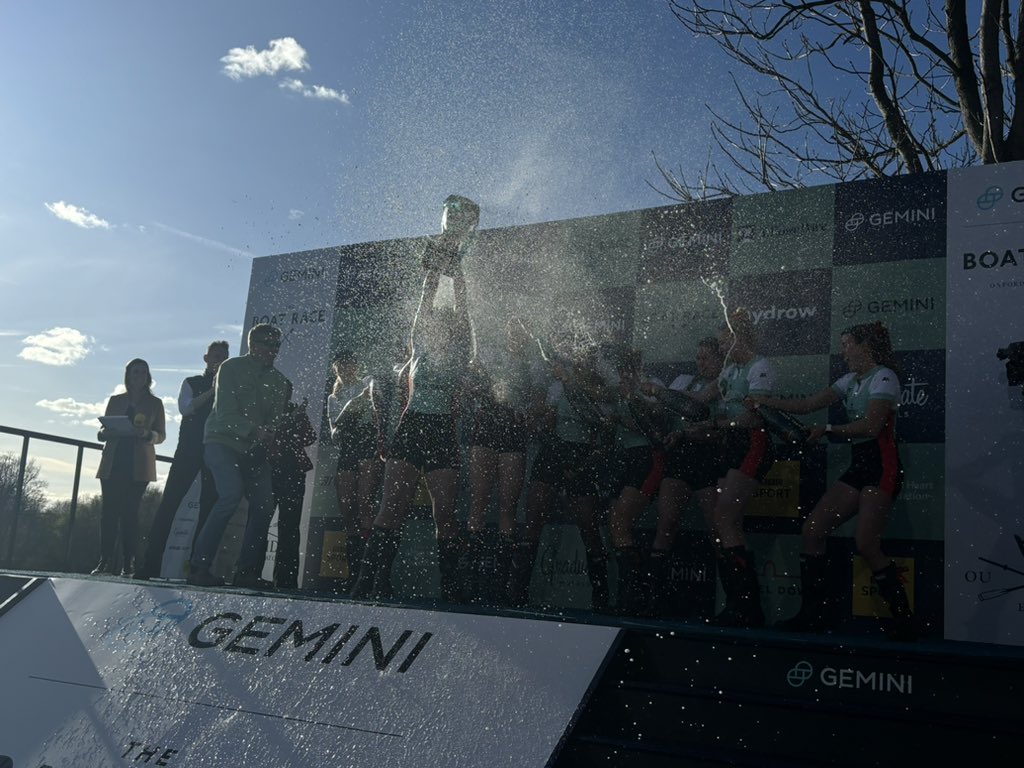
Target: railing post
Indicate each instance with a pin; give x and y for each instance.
(73, 509)
(18, 494)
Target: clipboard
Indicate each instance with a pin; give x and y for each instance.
(118, 426)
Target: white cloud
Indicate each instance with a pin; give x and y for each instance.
(57, 346)
(80, 217)
(294, 214)
(321, 92)
(284, 54)
(76, 410)
(228, 329)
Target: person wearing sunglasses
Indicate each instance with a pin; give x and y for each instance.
(250, 399)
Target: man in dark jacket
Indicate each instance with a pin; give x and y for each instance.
(195, 400)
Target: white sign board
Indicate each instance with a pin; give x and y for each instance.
(984, 414)
(106, 674)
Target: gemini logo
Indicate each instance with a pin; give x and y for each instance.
(800, 674)
(890, 218)
(987, 200)
(831, 677)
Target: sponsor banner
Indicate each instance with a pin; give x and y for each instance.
(890, 219)
(908, 297)
(603, 249)
(779, 494)
(605, 316)
(984, 417)
(116, 674)
(671, 318)
(866, 600)
(183, 529)
(792, 312)
(685, 242)
(782, 231)
(560, 577)
(778, 571)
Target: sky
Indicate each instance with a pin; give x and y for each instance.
(150, 151)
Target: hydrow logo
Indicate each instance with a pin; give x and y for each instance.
(1008, 257)
(784, 313)
(987, 200)
(885, 682)
(889, 218)
(889, 306)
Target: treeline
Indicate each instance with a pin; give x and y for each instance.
(44, 536)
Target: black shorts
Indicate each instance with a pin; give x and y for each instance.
(872, 464)
(356, 445)
(569, 467)
(427, 441)
(748, 450)
(698, 464)
(641, 468)
(500, 428)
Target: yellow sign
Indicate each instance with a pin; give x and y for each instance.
(866, 600)
(779, 494)
(334, 558)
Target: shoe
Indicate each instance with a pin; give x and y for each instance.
(101, 569)
(129, 568)
(203, 578)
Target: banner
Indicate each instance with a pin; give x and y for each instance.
(984, 426)
(100, 674)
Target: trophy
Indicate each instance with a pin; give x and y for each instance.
(459, 220)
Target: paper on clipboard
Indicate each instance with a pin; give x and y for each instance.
(119, 426)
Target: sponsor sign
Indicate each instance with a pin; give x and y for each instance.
(685, 242)
(602, 249)
(114, 674)
(782, 231)
(866, 600)
(671, 318)
(779, 494)
(791, 311)
(890, 219)
(909, 298)
(984, 477)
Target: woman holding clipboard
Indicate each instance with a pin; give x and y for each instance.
(133, 423)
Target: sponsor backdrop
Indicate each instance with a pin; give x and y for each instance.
(116, 674)
(939, 260)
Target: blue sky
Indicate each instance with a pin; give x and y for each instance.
(149, 151)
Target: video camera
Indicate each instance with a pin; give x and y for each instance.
(1013, 354)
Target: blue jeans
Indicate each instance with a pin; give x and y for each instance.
(236, 477)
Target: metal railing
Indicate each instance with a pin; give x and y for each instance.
(19, 491)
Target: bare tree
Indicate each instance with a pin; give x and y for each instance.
(858, 89)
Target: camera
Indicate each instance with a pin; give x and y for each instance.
(1013, 354)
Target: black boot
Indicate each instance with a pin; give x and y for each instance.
(597, 571)
(128, 567)
(629, 588)
(523, 556)
(102, 568)
(449, 552)
(743, 603)
(659, 572)
(889, 581)
(498, 587)
(374, 579)
(813, 615)
(473, 568)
